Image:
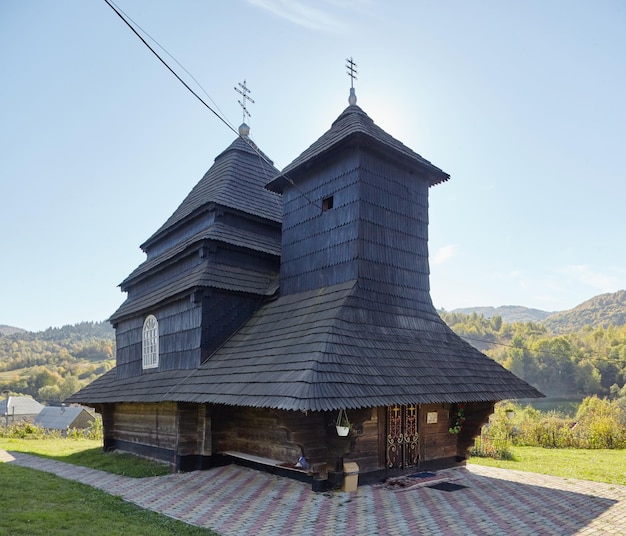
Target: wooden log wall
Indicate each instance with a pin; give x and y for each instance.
(153, 425)
(435, 442)
(275, 434)
(108, 425)
(194, 430)
(285, 435)
(367, 439)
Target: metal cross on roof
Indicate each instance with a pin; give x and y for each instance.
(245, 97)
(352, 72)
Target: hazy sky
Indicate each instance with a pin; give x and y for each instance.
(522, 102)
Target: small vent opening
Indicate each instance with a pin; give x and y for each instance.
(327, 203)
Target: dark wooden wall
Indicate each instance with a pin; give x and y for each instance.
(146, 428)
(222, 314)
(194, 430)
(173, 237)
(435, 442)
(172, 431)
(319, 248)
(179, 338)
(274, 434)
(367, 439)
(377, 230)
(285, 435)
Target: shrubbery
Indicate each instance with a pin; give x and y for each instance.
(28, 430)
(598, 424)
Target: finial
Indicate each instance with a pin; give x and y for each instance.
(352, 72)
(244, 130)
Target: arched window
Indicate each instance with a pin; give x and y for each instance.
(150, 343)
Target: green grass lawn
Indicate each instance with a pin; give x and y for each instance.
(35, 503)
(87, 453)
(601, 465)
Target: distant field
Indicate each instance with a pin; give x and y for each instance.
(10, 374)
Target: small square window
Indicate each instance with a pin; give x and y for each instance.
(327, 203)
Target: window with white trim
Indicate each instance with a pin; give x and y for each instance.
(150, 343)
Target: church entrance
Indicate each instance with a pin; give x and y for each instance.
(402, 436)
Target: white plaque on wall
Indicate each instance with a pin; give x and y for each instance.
(431, 417)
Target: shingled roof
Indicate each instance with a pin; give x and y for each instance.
(351, 125)
(152, 386)
(236, 181)
(207, 274)
(235, 184)
(325, 350)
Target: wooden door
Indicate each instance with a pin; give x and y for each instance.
(402, 436)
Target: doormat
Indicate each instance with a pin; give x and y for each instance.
(423, 474)
(416, 480)
(447, 486)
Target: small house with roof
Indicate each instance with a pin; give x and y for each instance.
(19, 408)
(65, 418)
(273, 305)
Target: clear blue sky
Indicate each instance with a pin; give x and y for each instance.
(522, 102)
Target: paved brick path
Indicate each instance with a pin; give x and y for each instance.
(235, 500)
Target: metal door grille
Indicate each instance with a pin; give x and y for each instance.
(402, 436)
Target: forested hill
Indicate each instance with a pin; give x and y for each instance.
(590, 361)
(508, 313)
(52, 364)
(601, 311)
(10, 330)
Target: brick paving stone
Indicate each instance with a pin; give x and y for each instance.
(238, 501)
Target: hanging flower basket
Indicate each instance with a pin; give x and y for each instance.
(342, 425)
(459, 419)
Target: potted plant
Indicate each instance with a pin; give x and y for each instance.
(458, 420)
(342, 425)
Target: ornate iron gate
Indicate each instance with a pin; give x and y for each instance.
(402, 436)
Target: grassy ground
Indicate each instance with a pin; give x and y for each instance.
(87, 453)
(599, 465)
(35, 503)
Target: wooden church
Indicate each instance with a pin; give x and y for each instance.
(285, 316)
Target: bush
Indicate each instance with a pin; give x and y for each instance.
(495, 439)
(24, 430)
(598, 425)
(95, 430)
(486, 448)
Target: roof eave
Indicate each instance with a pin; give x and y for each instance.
(355, 139)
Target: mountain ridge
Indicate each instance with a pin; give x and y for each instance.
(601, 310)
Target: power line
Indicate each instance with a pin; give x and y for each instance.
(125, 18)
(559, 354)
(119, 14)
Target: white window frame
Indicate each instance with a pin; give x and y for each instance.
(150, 343)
